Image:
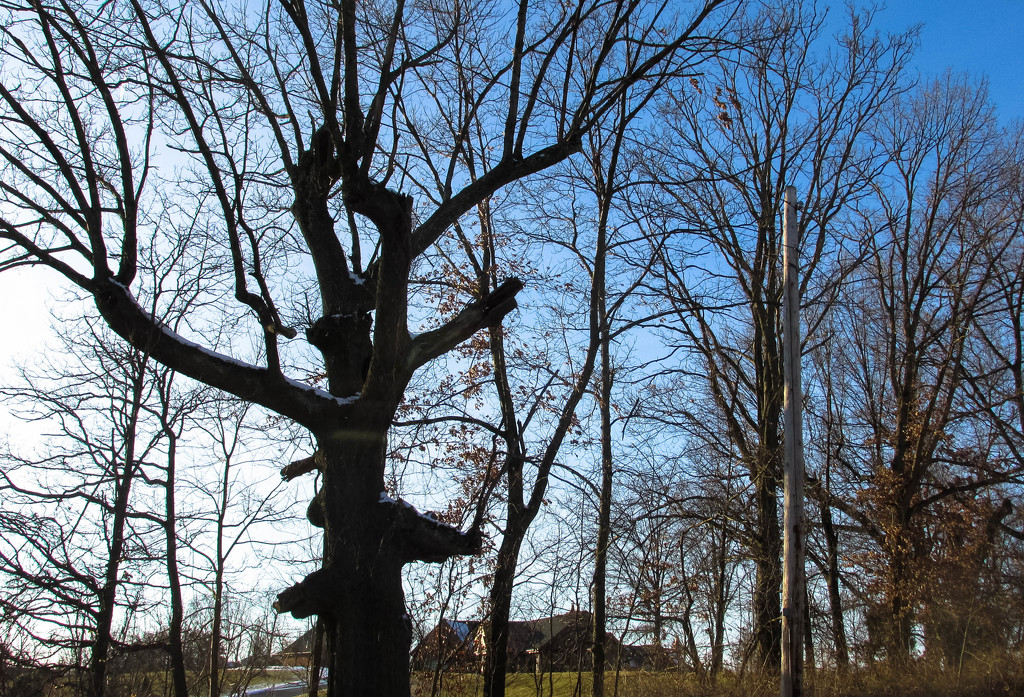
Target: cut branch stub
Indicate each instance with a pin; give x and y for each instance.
(421, 537)
(311, 595)
(315, 462)
(488, 311)
(500, 302)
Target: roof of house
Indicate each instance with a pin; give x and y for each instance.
(534, 635)
(545, 629)
(304, 644)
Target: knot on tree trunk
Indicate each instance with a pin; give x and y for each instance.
(335, 332)
(315, 511)
(344, 341)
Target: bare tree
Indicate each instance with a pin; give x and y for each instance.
(77, 539)
(578, 210)
(907, 325)
(785, 112)
(285, 119)
(233, 500)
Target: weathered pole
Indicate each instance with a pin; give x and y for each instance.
(793, 597)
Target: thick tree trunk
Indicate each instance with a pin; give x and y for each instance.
(369, 634)
(369, 537)
(899, 548)
(899, 616)
(358, 592)
(367, 628)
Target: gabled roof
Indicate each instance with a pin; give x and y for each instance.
(534, 635)
(304, 644)
(523, 635)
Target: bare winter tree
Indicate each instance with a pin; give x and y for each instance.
(787, 112)
(78, 539)
(575, 217)
(232, 501)
(277, 138)
(943, 217)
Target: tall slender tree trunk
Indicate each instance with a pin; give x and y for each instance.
(835, 600)
(500, 597)
(100, 652)
(604, 523)
(721, 605)
(521, 511)
(691, 640)
(600, 323)
(108, 593)
(175, 648)
(216, 632)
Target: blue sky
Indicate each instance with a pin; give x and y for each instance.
(983, 37)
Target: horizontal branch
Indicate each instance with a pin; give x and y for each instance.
(485, 312)
(311, 595)
(306, 405)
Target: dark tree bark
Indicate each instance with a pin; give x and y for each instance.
(604, 509)
(175, 647)
(835, 600)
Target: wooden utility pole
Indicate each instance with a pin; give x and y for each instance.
(793, 597)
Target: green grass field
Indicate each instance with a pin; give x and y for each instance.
(629, 684)
(992, 680)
